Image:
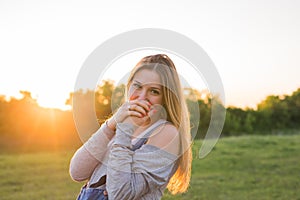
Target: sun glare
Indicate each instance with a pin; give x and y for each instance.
(53, 103)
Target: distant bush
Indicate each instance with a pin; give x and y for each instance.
(26, 125)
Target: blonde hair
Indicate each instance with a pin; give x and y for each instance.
(177, 113)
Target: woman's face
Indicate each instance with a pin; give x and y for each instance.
(146, 85)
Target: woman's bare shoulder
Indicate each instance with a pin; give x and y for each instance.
(166, 137)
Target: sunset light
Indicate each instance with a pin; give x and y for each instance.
(66, 130)
(249, 65)
(56, 102)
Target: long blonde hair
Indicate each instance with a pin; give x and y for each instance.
(177, 113)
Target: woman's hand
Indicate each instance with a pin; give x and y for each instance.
(145, 117)
(136, 110)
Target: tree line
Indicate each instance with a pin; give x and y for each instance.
(24, 125)
(276, 114)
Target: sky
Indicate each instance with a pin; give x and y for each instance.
(254, 44)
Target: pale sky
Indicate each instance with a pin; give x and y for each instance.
(254, 44)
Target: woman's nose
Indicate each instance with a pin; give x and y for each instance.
(142, 95)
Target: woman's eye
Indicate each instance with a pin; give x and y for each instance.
(136, 85)
(156, 92)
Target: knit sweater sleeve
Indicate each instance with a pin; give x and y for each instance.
(132, 174)
(88, 156)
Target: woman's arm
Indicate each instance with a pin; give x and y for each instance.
(131, 174)
(88, 156)
(92, 152)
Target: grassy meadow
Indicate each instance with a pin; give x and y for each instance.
(247, 167)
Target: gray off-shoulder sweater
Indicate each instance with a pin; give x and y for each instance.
(140, 174)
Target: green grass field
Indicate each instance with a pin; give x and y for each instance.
(248, 167)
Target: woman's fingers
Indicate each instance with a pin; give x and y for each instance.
(146, 105)
(135, 114)
(137, 108)
(140, 106)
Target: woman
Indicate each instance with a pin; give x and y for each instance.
(145, 146)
